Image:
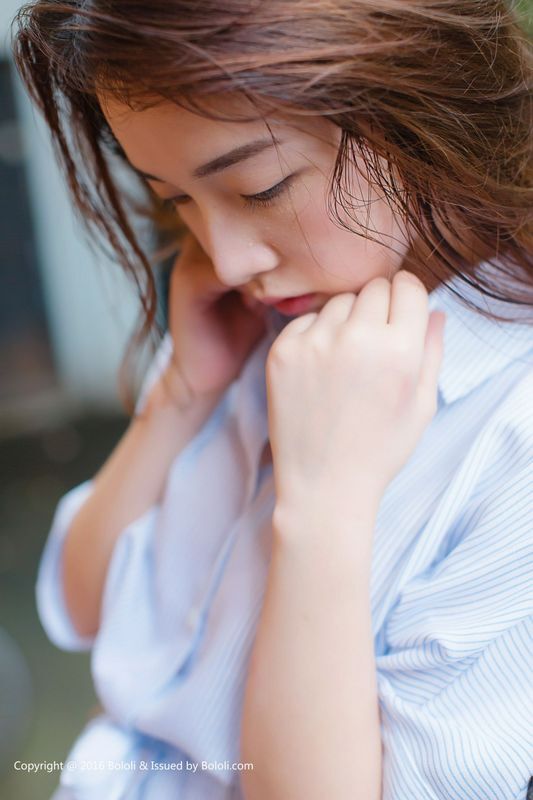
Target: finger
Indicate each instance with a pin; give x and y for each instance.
(300, 324)
(336, 310)
(409, 304)
(372, 303)
(433, 353)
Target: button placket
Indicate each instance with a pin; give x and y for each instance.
(196, 610)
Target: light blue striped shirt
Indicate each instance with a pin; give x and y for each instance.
(452, 595)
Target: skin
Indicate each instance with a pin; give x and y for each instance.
(287, 248)
(364, 363)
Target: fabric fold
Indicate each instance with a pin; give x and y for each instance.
(185, 586)
(50, 598)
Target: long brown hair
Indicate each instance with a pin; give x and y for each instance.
(434, 95)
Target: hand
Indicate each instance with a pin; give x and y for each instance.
(213, 329)
(350, 390)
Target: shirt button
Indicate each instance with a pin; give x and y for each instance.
(192, 617)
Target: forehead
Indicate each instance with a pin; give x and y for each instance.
(150, 134)
(173, 122)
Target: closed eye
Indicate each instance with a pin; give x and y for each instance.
(266, 197)
(251, 200)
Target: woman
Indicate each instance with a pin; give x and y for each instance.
(310, 551)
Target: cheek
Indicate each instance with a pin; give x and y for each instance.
(342, 258)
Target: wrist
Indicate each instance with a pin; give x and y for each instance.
(171, 395)
(328, 503)
(170, 425)
(326, 519)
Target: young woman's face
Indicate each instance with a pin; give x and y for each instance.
(260, 213)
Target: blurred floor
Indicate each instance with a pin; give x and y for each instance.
(36, 470)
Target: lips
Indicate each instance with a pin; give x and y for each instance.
(272, 301)
(295, 305)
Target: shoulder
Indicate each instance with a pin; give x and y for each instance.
(504, 445)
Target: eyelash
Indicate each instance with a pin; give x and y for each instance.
(253, 200)
(265, 198)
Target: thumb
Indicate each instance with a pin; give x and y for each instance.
(433, 353)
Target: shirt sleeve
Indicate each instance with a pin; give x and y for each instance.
(455, 680)
(50, 600)
(51, 605)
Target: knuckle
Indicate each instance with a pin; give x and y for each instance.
(318, 343)
(357, 336)
(403, 388)
(401, 353)
(283, 351)
(401, 377)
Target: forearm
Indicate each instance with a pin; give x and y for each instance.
(310, 719)
(128, 484)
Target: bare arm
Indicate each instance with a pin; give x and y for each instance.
(130, 481)
(310, 719)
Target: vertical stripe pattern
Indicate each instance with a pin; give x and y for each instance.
(452, 595)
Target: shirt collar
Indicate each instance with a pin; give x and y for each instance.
(475, 347)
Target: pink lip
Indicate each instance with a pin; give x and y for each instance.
(291, 305)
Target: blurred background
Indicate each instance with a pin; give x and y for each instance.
(65, 317)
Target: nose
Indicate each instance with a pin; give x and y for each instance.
(239, 253)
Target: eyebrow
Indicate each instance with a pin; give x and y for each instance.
(220, 163)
